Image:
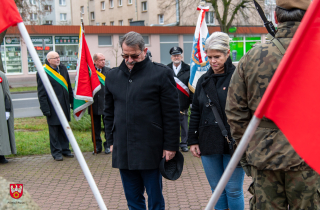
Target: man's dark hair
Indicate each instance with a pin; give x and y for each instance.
(289, 15)
(133, 39)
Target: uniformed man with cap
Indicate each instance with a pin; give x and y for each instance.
(182, 74)
(281, 179)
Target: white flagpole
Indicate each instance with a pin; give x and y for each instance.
(61, 116)
(246, 138)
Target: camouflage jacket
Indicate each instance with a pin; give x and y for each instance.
(269, 149)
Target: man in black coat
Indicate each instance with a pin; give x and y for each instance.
(142, 121)
(98, 102)
(60, 81)
(181, 72)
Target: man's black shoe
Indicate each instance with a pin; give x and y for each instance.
(69, 155)
(98, 151)
(58, 159)
(107, 150)
(184, 149)
(3, 159)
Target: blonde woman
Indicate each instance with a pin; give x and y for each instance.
(205, 137)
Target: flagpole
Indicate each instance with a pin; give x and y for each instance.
(246, 138)
(61, 116)
(93, 135)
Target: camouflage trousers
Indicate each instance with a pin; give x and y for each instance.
(293, 190)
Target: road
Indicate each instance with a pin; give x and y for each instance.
(26, 105)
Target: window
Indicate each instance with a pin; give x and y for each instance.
(92, 15)
(111, 3)
(129, 21)
(103, 6)
(67, 48)
(210, 18)
(166, 43)
(82, 9)
(111, 23)
(48, 22)
(104, 40)
(47, 8)
(240, 45)
(33, 2)
(103, 24)
(161, 19)
(62, 2)
(144, 6)
(146, 39)
(98, 24)
(129, 1)
(33, 16)
(120, 22)
(63, 16)
(120, 3)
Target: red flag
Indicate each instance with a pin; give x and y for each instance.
(9, 15)
(292, 100)
(87, 83)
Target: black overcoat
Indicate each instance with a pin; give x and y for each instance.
(98, 99)
(183, 76)
(141, 114)
(203, 127)
(64, 97)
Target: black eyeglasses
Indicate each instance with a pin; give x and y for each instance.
(132, 56)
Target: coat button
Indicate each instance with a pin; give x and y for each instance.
(130, 80)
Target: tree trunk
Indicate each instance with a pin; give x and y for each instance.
(1, 39)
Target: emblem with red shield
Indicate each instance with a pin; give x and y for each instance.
(16, 190)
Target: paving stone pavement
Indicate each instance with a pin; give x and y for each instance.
(62, 185)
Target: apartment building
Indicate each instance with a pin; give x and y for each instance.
(48, 12)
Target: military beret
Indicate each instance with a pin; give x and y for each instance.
(176, 51)
(293, 4)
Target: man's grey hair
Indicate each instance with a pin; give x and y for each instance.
(289, 15)
(133, 39)
(218, 41)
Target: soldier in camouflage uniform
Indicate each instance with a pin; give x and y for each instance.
(281, 179)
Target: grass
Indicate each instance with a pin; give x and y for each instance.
(24, 89)
(32, 135)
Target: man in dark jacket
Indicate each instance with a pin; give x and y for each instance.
(181, 72)
(142, 121)
(60, 81)
(98, 101)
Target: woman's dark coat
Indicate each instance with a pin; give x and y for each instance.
(65, 98)
(183, 76)
(141, 114)
(203, 127)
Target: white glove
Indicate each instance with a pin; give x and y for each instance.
(7, 115)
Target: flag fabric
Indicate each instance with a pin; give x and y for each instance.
(199, 62)
(292, 100)
(87, 82)
(9, 15)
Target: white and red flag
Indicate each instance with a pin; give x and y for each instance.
(87, 83)
(292, 100)
(199, 62)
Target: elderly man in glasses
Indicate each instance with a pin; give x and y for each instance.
(142, 121)
(59, 79)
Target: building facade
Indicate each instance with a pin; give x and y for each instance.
(19, 65)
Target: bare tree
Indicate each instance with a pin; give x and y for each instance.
(25, 10)
(228, 13)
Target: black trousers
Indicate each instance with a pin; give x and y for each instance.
(59, 143)
(97, 132)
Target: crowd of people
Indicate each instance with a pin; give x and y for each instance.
(145, 107)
